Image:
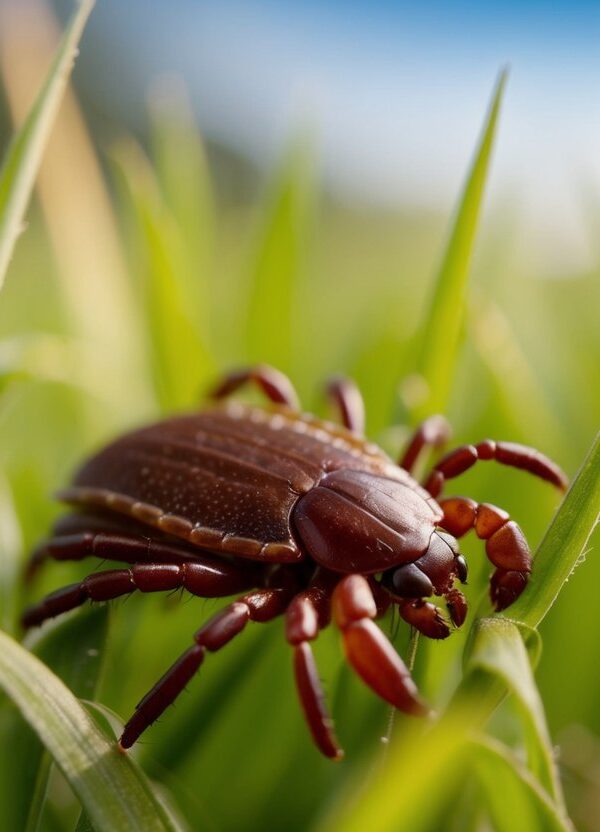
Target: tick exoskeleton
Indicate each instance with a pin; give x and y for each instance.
(306, 518)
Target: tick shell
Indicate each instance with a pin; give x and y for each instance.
(228, 479)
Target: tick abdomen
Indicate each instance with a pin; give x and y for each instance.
(226, 478)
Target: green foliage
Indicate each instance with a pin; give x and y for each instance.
(24, 155)
(74, 651)
(513, 795)
(280, 261)
(442, 328)
(234, 753)
(113, 791)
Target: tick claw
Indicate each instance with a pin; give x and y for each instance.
(425, 617)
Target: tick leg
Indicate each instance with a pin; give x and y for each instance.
(275, 385)
(434, 432)
(262, 605)
(368, 650)
(506, 546)
(507, 453)
(425, 617)
(78, 536)
(307, 613)
(208, 578)
(347, 398)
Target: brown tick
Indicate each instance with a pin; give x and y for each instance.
(306, 518)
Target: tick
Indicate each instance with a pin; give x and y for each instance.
(305, 518)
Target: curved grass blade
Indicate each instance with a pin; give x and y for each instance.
(512, 794)
(25, 152)
(380, 806)
(112, 790)
(443, 324)
(497, 648)
(73, 650)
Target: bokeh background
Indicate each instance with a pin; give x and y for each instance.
(275, 181)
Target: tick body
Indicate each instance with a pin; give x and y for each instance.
(306, 518)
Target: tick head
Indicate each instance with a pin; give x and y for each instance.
(433, 573)
(355, 521)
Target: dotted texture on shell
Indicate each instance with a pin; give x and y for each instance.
(236, 470)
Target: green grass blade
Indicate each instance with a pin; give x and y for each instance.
(444, 320)
(180, 357)
(281, 261)
(73, 650)
(407, 791)
(497, 648)
(184, 178)
(564, 544)
(112, 790)
(25, 152)
(515, 799)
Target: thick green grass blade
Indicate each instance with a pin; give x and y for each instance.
(25, 152)
(515, 799)
(74, 651)
(281, 260)
(564, 544)
(497, 648)
(112, 790)
(442, 327)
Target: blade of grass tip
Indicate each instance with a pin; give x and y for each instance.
(73, 649)
(281, 259)
(497, 648)
(111, 788)
(24, 154)
(444, 319)
(183, 173)
(514, 797)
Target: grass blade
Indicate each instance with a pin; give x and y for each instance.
(497, 648)
(399, 795)
(74, 651)
(25, 152)
(184, 178)
(514, 797)
(112, 790)
(180, 357)
(280, 261)
(564, 544)
(443, 324)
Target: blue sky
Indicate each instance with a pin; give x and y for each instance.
(396, 92)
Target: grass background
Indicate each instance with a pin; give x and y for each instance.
(137, 281)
